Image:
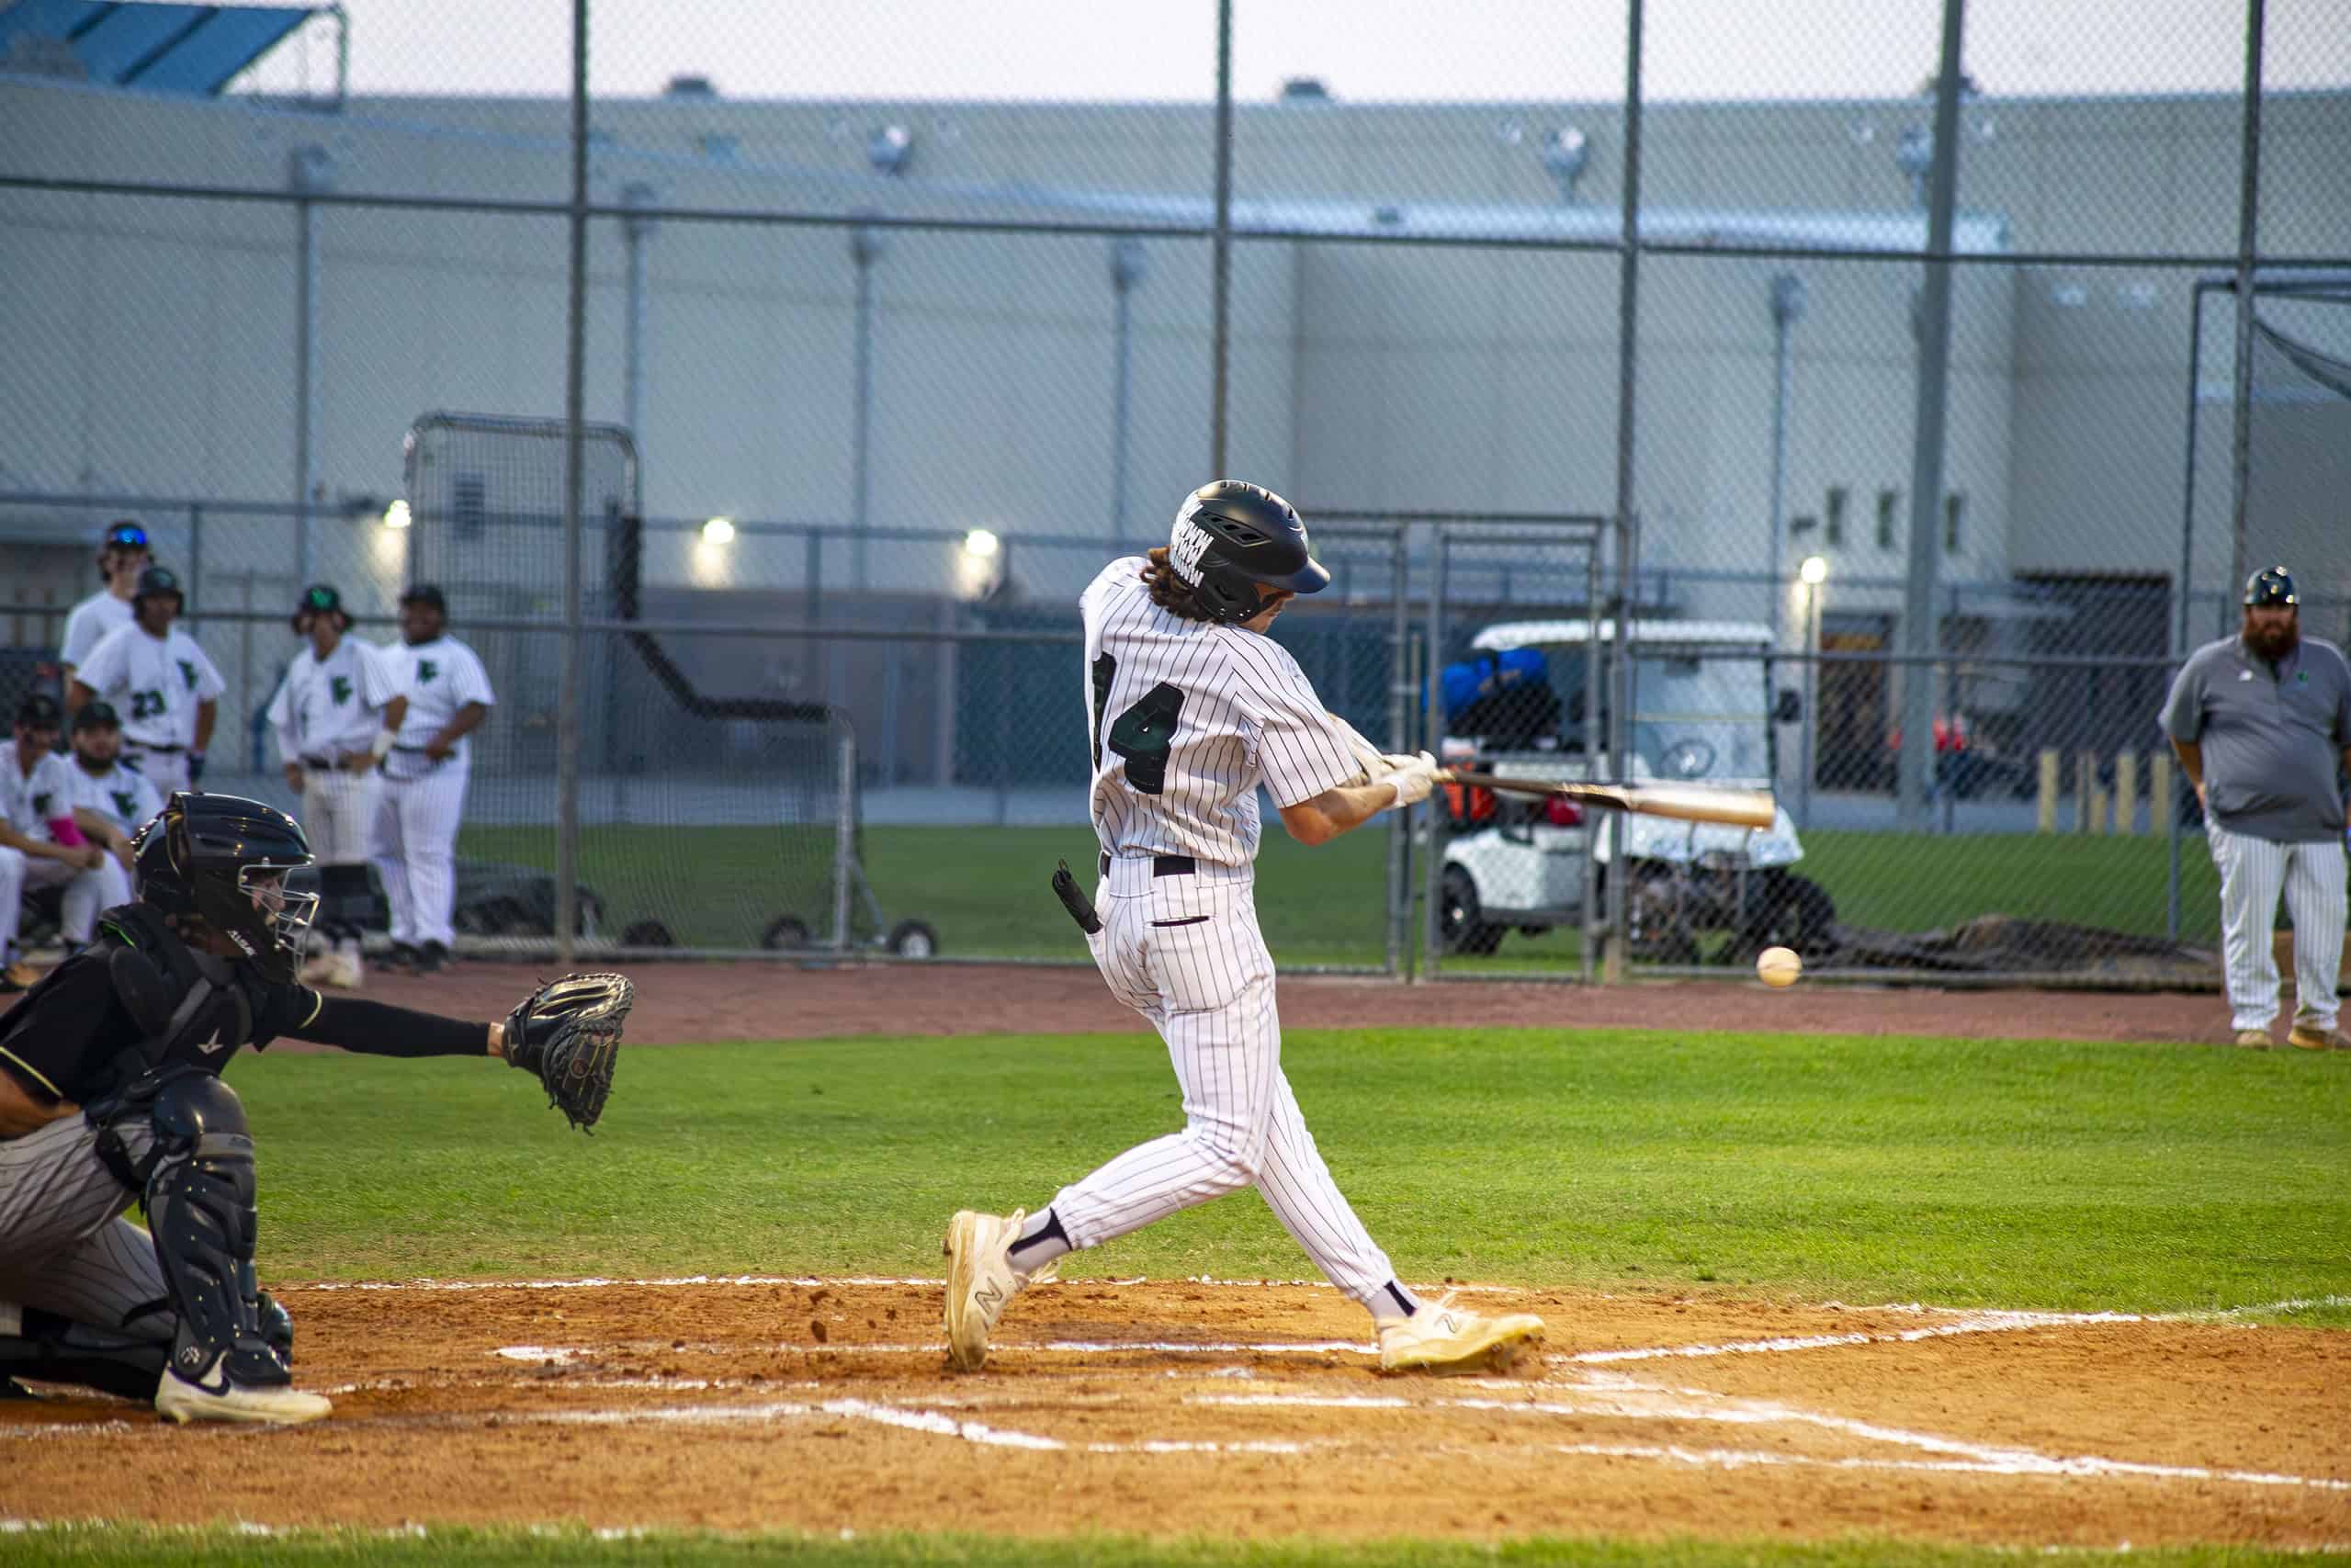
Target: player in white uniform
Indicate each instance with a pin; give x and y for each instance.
(155, 675)
(40, 844)
(110, 801)
(1193, 709)
(416, 828)
(336, 714)
(122, 556)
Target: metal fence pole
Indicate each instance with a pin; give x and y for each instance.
(844, 835)
(2248, 221)
(1433, 812)
(1590, 912)
(567, 712)
(1221, 295)
(1399, 691)
(1628, 318)
(1915, 769)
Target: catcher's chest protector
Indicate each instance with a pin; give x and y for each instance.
(186, 1008)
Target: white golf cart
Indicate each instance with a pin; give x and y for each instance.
(1702, 712)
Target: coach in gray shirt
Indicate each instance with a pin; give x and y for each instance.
(2262, 721)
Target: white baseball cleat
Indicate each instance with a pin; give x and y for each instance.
(981, 1281)
(1445, 1339)
(183, 1400)
(347, 972)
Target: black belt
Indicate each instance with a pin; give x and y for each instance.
(318, 762)
(149, 745)
(1164, 865)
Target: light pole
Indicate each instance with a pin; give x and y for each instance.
(633, 232)
(310, 172)
(1126, 268)
(1814, 574)
(1787, 308)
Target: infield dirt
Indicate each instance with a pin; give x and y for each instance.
(1243, 1410)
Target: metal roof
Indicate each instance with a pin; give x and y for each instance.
(170, 48)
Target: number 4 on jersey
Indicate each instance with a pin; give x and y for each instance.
(1143, 733)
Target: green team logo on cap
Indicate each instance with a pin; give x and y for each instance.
(321, 599)
(338, 689)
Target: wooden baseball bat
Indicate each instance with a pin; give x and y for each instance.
(1684, 803)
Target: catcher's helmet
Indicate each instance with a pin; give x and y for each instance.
(321, 599)
(222, 858)
(1232, 541)
(2270, 586)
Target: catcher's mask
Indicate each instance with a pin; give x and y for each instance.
(222, 860)
(1232, 541)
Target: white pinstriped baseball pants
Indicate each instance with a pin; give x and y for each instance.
(65, 1245)
(2253, 871)
(1185, 951)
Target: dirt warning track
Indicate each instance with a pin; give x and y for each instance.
(1247, 1410)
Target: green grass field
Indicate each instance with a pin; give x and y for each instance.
(1967, 1173)
(1962, 1173)
(984, 889)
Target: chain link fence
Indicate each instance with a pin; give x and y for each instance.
(1706, 391)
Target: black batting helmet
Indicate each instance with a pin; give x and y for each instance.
(156, 582)
(2272, 585)
(1232, 541)
(320, 598)
(222, 858)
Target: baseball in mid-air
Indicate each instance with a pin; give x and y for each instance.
(1778, 966)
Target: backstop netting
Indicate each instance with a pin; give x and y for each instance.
(717, 806)
(2298, 491)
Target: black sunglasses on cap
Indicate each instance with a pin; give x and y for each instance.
(126, 537)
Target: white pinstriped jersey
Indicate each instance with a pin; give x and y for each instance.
(155, 682)
(1186, 720)
(326, 709)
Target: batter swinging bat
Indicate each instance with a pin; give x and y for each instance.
(1684, 803)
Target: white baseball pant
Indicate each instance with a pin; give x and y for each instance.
(1185, 951)
(86, 892)
(339, 812)
(167, 770)
(65, 1244)
(2253, 871)
(415, 850)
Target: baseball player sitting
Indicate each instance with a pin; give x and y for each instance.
(109, 802)
(110, 1095)
(41, 845)
(1193, 709)
(335, 715)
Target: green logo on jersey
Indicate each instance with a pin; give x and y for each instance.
(126, 803)
(425, 671)
(187, 672)
(146, 703)
(41, 805)
(339, 688)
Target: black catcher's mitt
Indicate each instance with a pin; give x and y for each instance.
(568, 1032)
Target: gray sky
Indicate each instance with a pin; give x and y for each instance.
(1386, 50)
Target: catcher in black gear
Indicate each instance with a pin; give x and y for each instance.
(110, 1094)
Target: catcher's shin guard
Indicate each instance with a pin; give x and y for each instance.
(200, 1209)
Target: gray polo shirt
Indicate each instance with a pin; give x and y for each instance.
(2273, 739)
